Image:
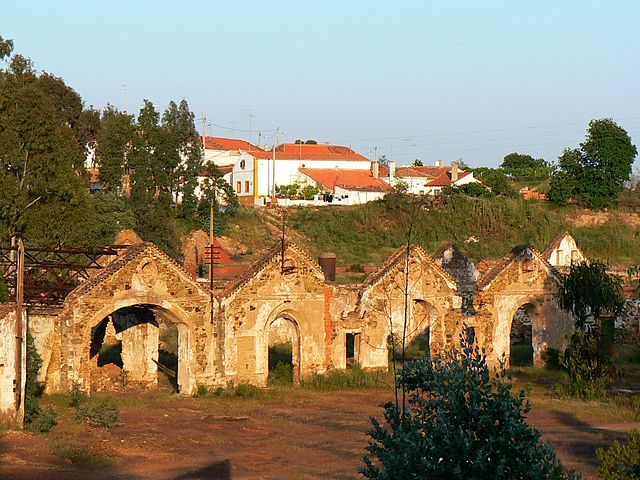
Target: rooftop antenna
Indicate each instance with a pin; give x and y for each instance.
(251, 117)
(126, 98)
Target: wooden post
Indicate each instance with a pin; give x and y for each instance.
(20, 355)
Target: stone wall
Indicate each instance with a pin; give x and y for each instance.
(10, 411)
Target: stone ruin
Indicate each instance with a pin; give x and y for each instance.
(122, 317)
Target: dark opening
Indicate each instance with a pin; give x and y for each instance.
(419, 347)
(168, 357)
(521, 337)
(352, 347)
(281, 364)
(471, 334)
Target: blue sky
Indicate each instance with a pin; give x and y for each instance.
(429, 80)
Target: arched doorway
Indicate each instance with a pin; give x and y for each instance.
(283, 351)
(521, 336)
(138, 345)
(420, 331)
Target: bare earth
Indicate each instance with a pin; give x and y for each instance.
(288, 435)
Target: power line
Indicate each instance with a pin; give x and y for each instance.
(240, 129)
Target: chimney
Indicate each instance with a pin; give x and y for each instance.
(375, 169)
(438, 163)
(454, 172)
(392, 171)
(327, 262)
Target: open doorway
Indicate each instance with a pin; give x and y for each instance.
(352, 349)
(282, 352)
(521, 337)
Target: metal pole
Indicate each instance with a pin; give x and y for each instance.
(211, 241)
(273, 183)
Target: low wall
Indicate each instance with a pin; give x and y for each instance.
(11, 405)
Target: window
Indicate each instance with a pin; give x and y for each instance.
(242, 164)
(246, 186)
(239, 187)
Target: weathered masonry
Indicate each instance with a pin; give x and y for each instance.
(142, 300)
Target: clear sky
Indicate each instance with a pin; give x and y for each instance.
(431, 80)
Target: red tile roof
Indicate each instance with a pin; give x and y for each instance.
(303, 151)
(220, 143)
(331, 178)
(444, 180)
(413, 171)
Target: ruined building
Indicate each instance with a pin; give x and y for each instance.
(141, 301)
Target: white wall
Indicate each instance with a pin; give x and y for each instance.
(357, 197)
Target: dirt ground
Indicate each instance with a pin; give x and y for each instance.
(287, 434)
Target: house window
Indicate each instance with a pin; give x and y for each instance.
(246, 186)
(242, 164)
(239, 187)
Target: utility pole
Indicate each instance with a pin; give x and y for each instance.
(251, 116)
(375, 151)
(20, 357)
(273, 184)
(126, 99)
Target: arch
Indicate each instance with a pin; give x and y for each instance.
(276, 332)
(149, 340)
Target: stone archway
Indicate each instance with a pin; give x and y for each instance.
(138, 327)
(424, 317)
(283, 350)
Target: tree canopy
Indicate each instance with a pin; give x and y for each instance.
(594, 174)
(518, 165)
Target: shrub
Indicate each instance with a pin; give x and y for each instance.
(44, 421)
(357, 268)
(246, 390)
(281, 375)
(79, 455)
(621, 461)
(459, 421)
(103, 414)
(77, 396)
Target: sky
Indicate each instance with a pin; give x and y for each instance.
(409, 80)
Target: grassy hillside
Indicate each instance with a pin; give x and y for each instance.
(483, 228)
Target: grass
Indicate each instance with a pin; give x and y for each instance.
(351, 378)
(80, 455)
(369, 233)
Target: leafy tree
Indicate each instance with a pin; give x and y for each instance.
(595, 173)
(496, 180)
(41, 148)
(36, 418)
(518, 164)
(595, 298)
(113, 147)
(417, 163)
(461, 422)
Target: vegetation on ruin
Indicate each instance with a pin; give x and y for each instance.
(36, 418)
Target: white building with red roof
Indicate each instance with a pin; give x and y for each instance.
(427, 180)
(345, 186)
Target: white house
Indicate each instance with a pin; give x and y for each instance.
(563, 250)
(427, 180)
(345, 187)
(255, 181)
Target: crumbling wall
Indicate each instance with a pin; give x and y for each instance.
(143, 276)
(10, 411)
(297, 295)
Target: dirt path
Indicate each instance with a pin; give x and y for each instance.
(296, 435)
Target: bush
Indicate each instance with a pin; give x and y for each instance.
(44, 421)
(281, 375)
(103, 414)
(354, 377)
(459, 421)
(77, 396)
(621, 461)
(246, 390)
(587, 365)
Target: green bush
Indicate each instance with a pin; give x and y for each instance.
(77, 396)
(246, 390)
(459, 421)
(44, 421)
(103, 414)
(281, 375)
(354, 377)
(621, 461)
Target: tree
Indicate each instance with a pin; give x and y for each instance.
(519, 165)
(595, 173)
(418, 163)
(594, 298)
(461, 422)
(496, 180)
(41, 152)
